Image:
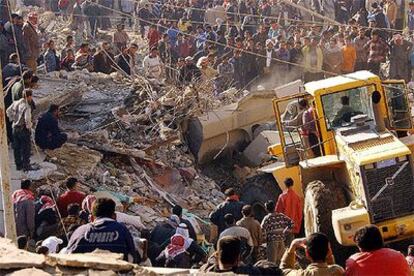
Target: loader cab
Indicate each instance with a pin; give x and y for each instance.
(335, 102)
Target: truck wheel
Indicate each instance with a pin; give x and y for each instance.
(257, 190)
(320, 199)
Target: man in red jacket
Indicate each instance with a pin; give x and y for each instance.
(374, 258)
(290, 204)
(72, 195)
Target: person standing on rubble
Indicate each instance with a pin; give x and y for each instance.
(103, 233)
(32, 41)
(120, 37)
(232, 205)
(20, 114)
(48, 135)
(126, 60)
(18, 87)
(103, 59)
(24, 210)
(51, 59)
(16, 32)
(152, 65)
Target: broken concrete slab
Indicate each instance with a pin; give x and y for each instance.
(256, 151)
(54, 91)
(11, 257)
(74, 160)
(99, 259)
(29, 272)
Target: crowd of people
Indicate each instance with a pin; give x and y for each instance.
(220, 44)
(74, 222)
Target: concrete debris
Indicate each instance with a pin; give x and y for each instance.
(256, 151)
(99, 259)
(74, 160)
(46, 169)
(12, 258)
(29, 272)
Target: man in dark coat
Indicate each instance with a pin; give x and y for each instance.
(48, 134)
(102, 60)
(232, 205)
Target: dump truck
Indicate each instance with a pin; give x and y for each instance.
(362, 170)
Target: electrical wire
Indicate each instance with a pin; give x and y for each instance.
(329, 73)
(278, 18)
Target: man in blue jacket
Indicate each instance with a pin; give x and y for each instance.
(48, 134)
(103, 233)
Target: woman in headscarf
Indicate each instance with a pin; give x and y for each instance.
(46, 218)
(182, 252)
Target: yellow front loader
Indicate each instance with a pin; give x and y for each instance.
(364, 174)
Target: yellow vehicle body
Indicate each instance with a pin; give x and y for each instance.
(368, 160)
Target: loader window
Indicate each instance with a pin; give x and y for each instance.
(398, 106)
(340, 107)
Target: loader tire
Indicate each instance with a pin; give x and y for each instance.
(257, 190)
(320, 199)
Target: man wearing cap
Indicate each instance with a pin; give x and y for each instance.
(32, 41)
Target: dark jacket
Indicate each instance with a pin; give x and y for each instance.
(102, 62)
(228, 207)
(105, 234)
(162, 233)
(123, 63)
(46, 223)
(189, 73)
(48, 134)
(10, 70)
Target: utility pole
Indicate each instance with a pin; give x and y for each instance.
(8, 210)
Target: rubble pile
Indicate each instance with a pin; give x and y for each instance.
(128, 144)
(125, 137)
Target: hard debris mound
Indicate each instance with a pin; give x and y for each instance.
(131, 147)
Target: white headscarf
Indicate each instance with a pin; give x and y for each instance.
(182, 230)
